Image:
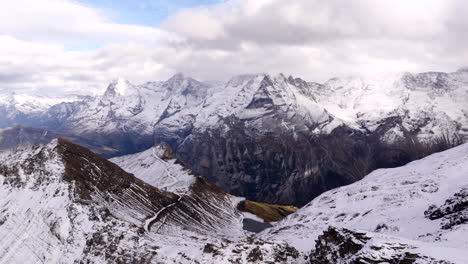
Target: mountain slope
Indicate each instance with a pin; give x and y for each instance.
(422, 204)
(158, 167)
(61, 203)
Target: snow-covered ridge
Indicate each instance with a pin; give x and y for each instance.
(430, 103)
(396, 203)
(27, 103)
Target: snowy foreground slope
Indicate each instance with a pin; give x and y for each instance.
(420, 208)
(61, 203)
(417, 212)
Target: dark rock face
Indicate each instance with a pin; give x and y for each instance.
(276, 168)
(453, 212)
(351, 247)
(347, 244)
(282, 168)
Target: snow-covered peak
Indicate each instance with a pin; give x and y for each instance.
(120, 87)
(178, 77)
(180, 82)
(429, 104)
(239, 80)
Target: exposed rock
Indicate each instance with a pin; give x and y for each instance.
(344, 246)
(453, 212)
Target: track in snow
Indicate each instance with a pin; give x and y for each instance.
(152, 220)
(168, 172)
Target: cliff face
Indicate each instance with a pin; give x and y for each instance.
(293, 168)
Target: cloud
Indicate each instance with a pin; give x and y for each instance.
(310, 21)
(49, 69)
(310, 38)
(68, 21)
(320, 38)
(35, 55)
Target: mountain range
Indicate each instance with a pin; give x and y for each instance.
(265, 137)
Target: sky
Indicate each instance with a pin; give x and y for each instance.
(79, 46)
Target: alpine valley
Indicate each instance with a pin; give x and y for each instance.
(184, 171)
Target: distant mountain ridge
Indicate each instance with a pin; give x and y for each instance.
(20, 137)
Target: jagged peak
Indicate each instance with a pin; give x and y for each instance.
(178, 76)
(242, 79)
(180, 81)
(118, 86)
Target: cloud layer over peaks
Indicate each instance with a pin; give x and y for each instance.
(61, 45)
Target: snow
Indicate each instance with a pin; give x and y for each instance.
(43, 220)
(149, 221)
(389, 201)
(35, 226)
(31, 104)
(414, 97)
(122, 86)
(164, 174)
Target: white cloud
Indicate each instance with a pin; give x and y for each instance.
(347, 37)
(311, 38)
(67, 21)
(46, 68)
(34, 41)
